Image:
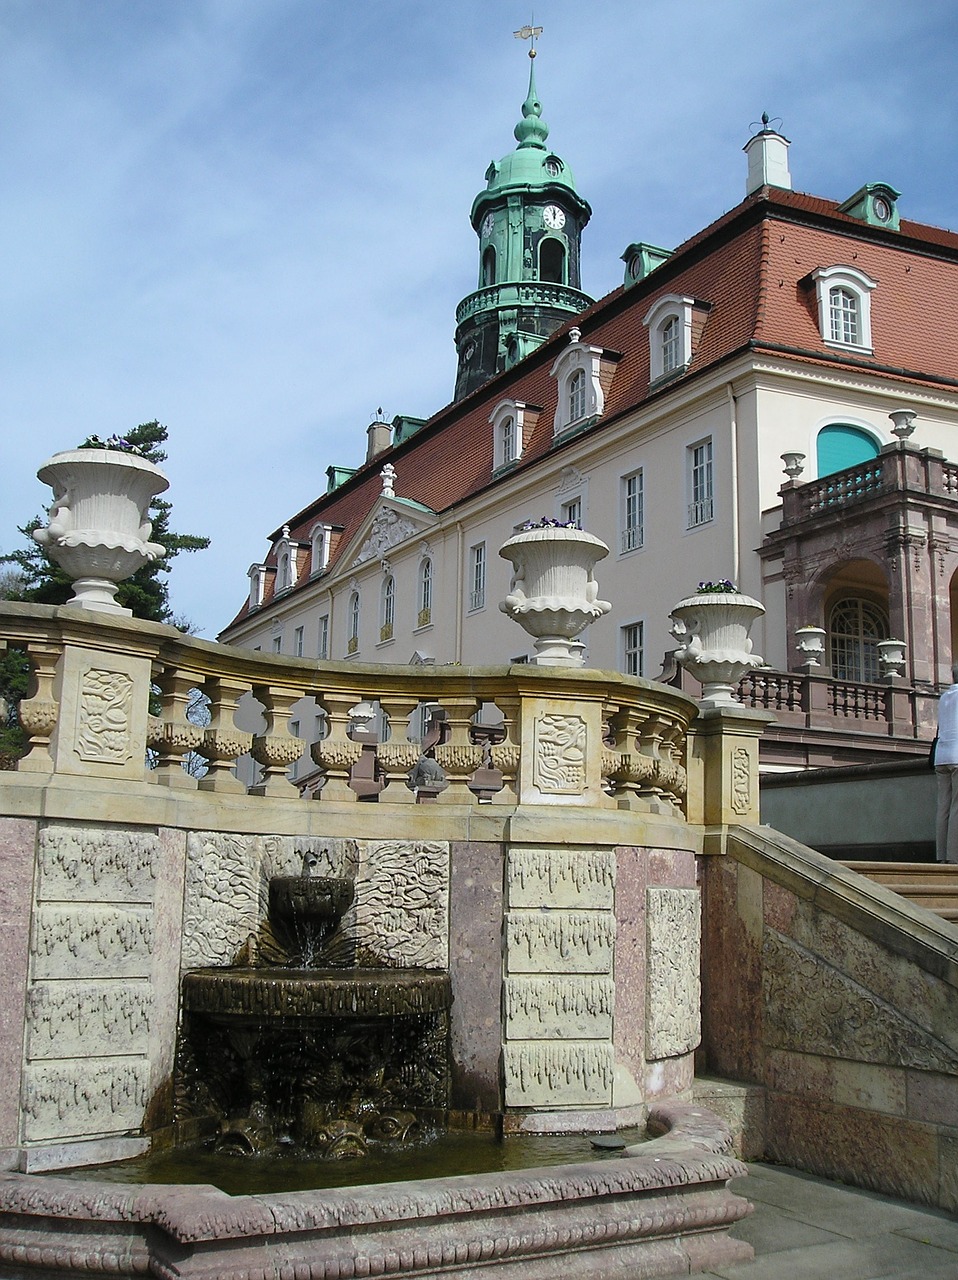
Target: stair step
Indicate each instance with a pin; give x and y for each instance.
(930, 885)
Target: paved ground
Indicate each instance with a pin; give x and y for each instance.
(805, 1228)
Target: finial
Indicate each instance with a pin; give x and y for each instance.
(575, 333)
(285, 530)
(388, 475)
(770, 124)
(531, 131)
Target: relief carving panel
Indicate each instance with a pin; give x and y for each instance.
(88, 1019)
(225, 896)
(103, 716)
(741, 780)
(560, 754)
(673, 991)
(83, 1099)
(811, 1007)
(97, 864)
(559, 1007)
(559, 942)
(544, 1074)
(88, 941)
(562, 877)
(401, 909)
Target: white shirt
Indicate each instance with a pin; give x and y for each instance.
(947, 749)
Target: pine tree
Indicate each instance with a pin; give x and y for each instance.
(41, 581)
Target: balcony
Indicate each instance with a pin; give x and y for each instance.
(522, 294)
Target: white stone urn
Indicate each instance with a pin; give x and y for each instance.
(810, 643)
(712, 631)
(891, 658)
(99, 530)
(553, 594)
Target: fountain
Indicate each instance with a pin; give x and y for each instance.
(299, 1047)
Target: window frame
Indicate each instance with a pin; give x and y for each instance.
(352, 622)
(629, 650)
(577, 357)
(502, 456)
(670, 317)
(632, 526)
(858, 286)
(387, 609)
(424, 593)
(477, 577)
(322, 638)
(299, 641)
(700, 494)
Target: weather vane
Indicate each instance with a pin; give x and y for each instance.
(529, 33)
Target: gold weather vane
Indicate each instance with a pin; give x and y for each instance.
(529, 33)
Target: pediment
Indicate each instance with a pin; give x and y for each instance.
(389, 524)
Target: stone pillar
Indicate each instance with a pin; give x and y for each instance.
(103, 708)
(723, 759)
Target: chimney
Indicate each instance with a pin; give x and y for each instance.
(379, 436)
(767, 155)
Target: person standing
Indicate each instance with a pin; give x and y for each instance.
(946, 771)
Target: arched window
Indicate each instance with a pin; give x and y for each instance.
(552, 261)
(508, 432)
(283, 576)
(425, 593)
(855, 627)
(844, 316)
(577, 396)
(671, 339)
(840, 445)
(388, 613)
(488, 266)
(352, 641)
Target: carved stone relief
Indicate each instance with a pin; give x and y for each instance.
(83, 1099)
(559, 756)
(225, 898)
(562, 877)
(813, 1008)
(543, 1074)
(559, 1007)
(79, 1019)
(97, 864)
(387, 529)
(92, 941)
(559, 941)
(741, 780)
(103, 716)
(400, 913)
(673, 991)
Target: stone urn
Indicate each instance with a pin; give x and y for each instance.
(554, 595)
(99, 530)
(712, 631)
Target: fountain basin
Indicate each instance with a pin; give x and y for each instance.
(315, 993)
(309, 900)
(663, 1208)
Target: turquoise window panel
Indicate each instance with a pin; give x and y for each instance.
(840, 446)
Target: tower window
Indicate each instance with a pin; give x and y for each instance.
(552, 261)
(488, 266)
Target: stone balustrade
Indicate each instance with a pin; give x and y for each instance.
(111, 698)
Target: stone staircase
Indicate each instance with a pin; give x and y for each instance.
(932, 885)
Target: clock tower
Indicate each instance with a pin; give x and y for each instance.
(529, 221)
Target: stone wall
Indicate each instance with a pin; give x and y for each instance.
(841, 998)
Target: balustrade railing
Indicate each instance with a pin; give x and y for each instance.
(498, 735)
(821, 701)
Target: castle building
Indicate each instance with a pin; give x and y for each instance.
(775, 401)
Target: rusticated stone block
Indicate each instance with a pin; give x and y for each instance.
(84, 1099)
(86, 1019)
(673, 991)
(562, 877)
(97, 864)
(559, 1007)
(570, 1074)
(95, 941)
(559, 942)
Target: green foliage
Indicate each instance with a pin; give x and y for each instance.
(14, 683)
(42, 581)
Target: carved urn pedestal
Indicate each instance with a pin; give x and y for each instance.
(99, 530)
(554, 594)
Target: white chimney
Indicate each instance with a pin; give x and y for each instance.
(767, 155)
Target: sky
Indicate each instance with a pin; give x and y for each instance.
(249, 218)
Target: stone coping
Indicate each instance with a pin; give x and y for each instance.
(872, 909)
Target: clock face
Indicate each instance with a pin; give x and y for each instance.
(488, 223)
(553, 217)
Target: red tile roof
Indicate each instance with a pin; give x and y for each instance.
(752, 268)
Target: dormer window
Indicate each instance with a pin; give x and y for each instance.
(319, 543)
(287, 561)
(669, 323)
(257, 584)
(580, 396)
(844, 307)
(510, 420)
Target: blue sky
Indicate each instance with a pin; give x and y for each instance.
(249, 218)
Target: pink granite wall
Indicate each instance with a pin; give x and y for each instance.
(854, 1039)
(18, 838)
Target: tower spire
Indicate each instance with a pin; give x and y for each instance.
(532, 130)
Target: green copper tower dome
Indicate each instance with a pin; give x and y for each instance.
(529, 221)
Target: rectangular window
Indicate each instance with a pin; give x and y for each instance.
(700, 483)
(322, 648)
(277, 644)
(298, 642)
(633, 651)
(477, 577)
(633, 511)
(572, 512)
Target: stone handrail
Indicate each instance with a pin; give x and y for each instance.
(821, 701)
(109, 699)
(899, 468)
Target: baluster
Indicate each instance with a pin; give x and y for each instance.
(171, 733)
(651, 735)
(505, 754)
(276, 748)
(38, 713)
(398, 755)
(222, 742)
(458, 756)
(632, 769)
(336, 753)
